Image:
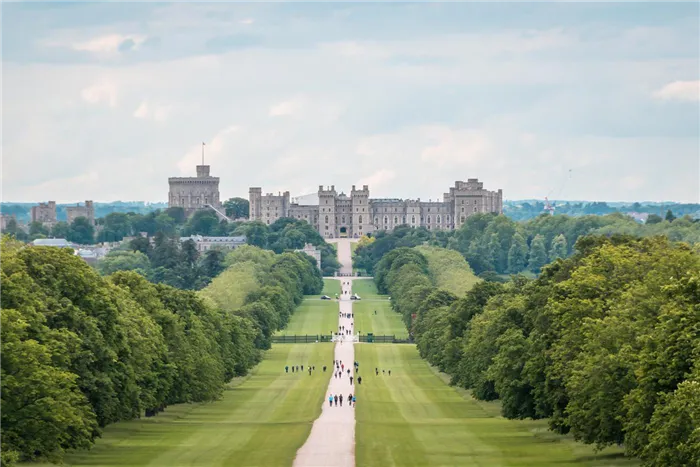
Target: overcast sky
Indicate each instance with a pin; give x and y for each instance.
(597, 101)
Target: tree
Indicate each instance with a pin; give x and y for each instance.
(654, 219)
(60, 230)
(81, 231)
(558, 248)
(517, 254)
(237, 208)
(38, 230)
(669, 216)
(13, 229)
(124, 261)
(538, 254)
(256, 234)
(202, 222)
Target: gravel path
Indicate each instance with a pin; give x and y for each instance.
(332, 439)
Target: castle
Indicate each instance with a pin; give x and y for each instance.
(338, 215)
(193, 193)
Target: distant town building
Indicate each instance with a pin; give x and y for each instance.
(45, 213)
(312, 251)
(193, 193)
(338, 215)
(5, 219)
(640, 217)
(87, 211)
(209, 243)
(90, 256)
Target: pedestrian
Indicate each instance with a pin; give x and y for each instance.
(348, 371)
(309, 371)
(342, 367)
(376, 371)
(335, 399)
(341, 400)
(330, 400)
(292, 368)
(302, 368)
(354, 400)
(350, 399)
(389, 372)
(286, 369)
(324, 368)
(359, 380)
(351, 380)
(383, 372)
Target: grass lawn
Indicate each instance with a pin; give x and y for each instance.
(413, 418)
(331, 287)
(262, 420)
(313, 316)
(366, 289)
(386, 322)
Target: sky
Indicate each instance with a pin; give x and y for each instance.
(584, 101)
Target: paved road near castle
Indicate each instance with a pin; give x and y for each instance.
(331, 442)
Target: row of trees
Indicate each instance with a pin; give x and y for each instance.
(497, 244)
(81, 351)
(604, 344)
(524, 210)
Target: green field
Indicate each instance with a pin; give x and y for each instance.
(331, 287)
(314, 316)
(366, 289)
(413, 418)
(385, 322)
(262, 420)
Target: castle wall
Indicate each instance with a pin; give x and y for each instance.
(338, 215)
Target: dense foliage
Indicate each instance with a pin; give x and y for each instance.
(524, 210)
(81, 351)
(497, 245)
(605, 344)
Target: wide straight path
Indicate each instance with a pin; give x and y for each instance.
(332, 439)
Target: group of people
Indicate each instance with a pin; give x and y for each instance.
(339, 398)
(346, 315)
(297, 368)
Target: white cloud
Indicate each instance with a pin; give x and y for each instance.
(213, 150)
(157, 113)
(447, 146)
(379, 179)
(288, 107)
(247, 21)
(108, 44)
(680, 90)
(100, 93)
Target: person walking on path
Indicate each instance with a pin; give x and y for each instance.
(286, 369)
(341, 400)
(350, 399)
(335, 399)
(324, 368)
(354, 399)
(330, 400)
(359, 380)
(351, 381)
(309, 371)
(389, 372)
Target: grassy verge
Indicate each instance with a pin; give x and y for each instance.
(331, 287)
(366, 289)
(385, 322)
(413, 418)
(314, 316)
(262, 420)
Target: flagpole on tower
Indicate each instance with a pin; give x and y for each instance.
(203, 153)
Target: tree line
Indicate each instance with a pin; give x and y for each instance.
(604, 344)
(81, 351)
(495, 245)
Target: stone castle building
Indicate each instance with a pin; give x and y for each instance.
(193, 193)
(88, 211)
(44, 213)
(339, 215)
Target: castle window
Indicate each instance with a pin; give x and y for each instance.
(376, 220)
(268, 222)
(404, 219)
(474, 208)
(463, 218)
(462, 201)
(357, 209)
(363, 209)
(413, 219)
(396, 220)
(474, 201)
(360, 221)
(343, 219)
(326, 201)
(438, 219)
(462, 209)
(326, 221)
(386, 220)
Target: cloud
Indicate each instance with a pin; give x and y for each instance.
(247, 21)
(213, 150)
(157, 113)
(680, 91)
(110, 44)
(288, 107)
(100, 93)
(379, 179)
(463, 147)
